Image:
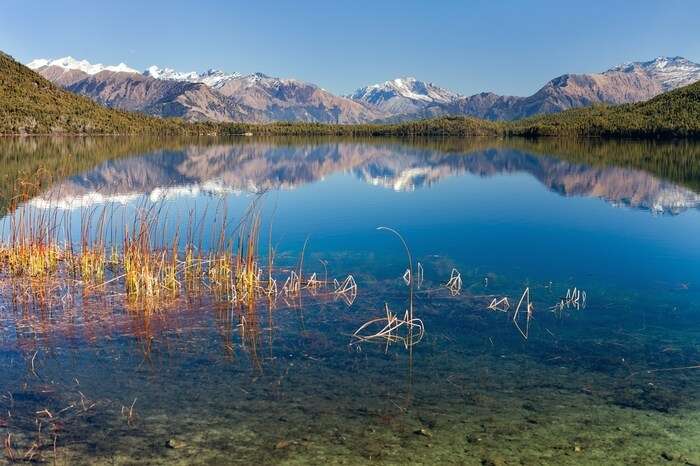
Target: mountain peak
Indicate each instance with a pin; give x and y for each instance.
(70, 63)
(404, 94)
(212, 77)
(658, 62)
(169, 74)
(272, 81)
(405, 80)
(662, 62)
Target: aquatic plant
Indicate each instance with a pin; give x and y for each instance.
(407, 277)
(529, 309)
(31, 249)
(499, 304)
(410, 266)
(419, 275)
(128, 413)
(391, 325)
(292, 285)
(454, 284)
(40, 429)
(574, 298)
(346, 290)
(152, 269)
(389, 332)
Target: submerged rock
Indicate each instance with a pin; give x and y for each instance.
(282, 444)
(493, 461)
(423, 432)
(670, 456)
(174, 444)
(648, 397)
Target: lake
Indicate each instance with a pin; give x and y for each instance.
(548, 313)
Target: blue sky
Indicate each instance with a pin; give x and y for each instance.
(509, 47)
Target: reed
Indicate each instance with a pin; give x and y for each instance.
(409, 330)
(499, 304)
(454, 284)
(346, 290)
(154, 269)
(390, 330)
(524, 328)
(92, 260)
(31, 249)
(574, 299)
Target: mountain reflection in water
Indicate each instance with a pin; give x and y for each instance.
(261, 166)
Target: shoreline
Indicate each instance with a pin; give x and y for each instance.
(568, 137)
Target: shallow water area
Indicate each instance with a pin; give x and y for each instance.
(599, 238)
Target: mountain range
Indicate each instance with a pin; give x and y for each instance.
(215, 95)
(208, 96)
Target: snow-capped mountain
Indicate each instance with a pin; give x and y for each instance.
(70, 63)
(403, 95)
(408, 99)
(245, 86)
(169, 74)
(212, 95)
(669, 72)
(212, 78)
(217, 78)
(627, 83)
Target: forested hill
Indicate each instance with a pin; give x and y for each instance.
(675, 114)
(30, 104)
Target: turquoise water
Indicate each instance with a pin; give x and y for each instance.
(609, 382)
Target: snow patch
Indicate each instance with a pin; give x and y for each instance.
(670, 72)
(212, 78)
(404, 88)
(70, 63)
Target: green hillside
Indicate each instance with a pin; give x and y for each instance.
(30, 104)
(673, 114)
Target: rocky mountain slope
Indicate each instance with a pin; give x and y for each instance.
(135, 92)
(633, 82)
(293, 100)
